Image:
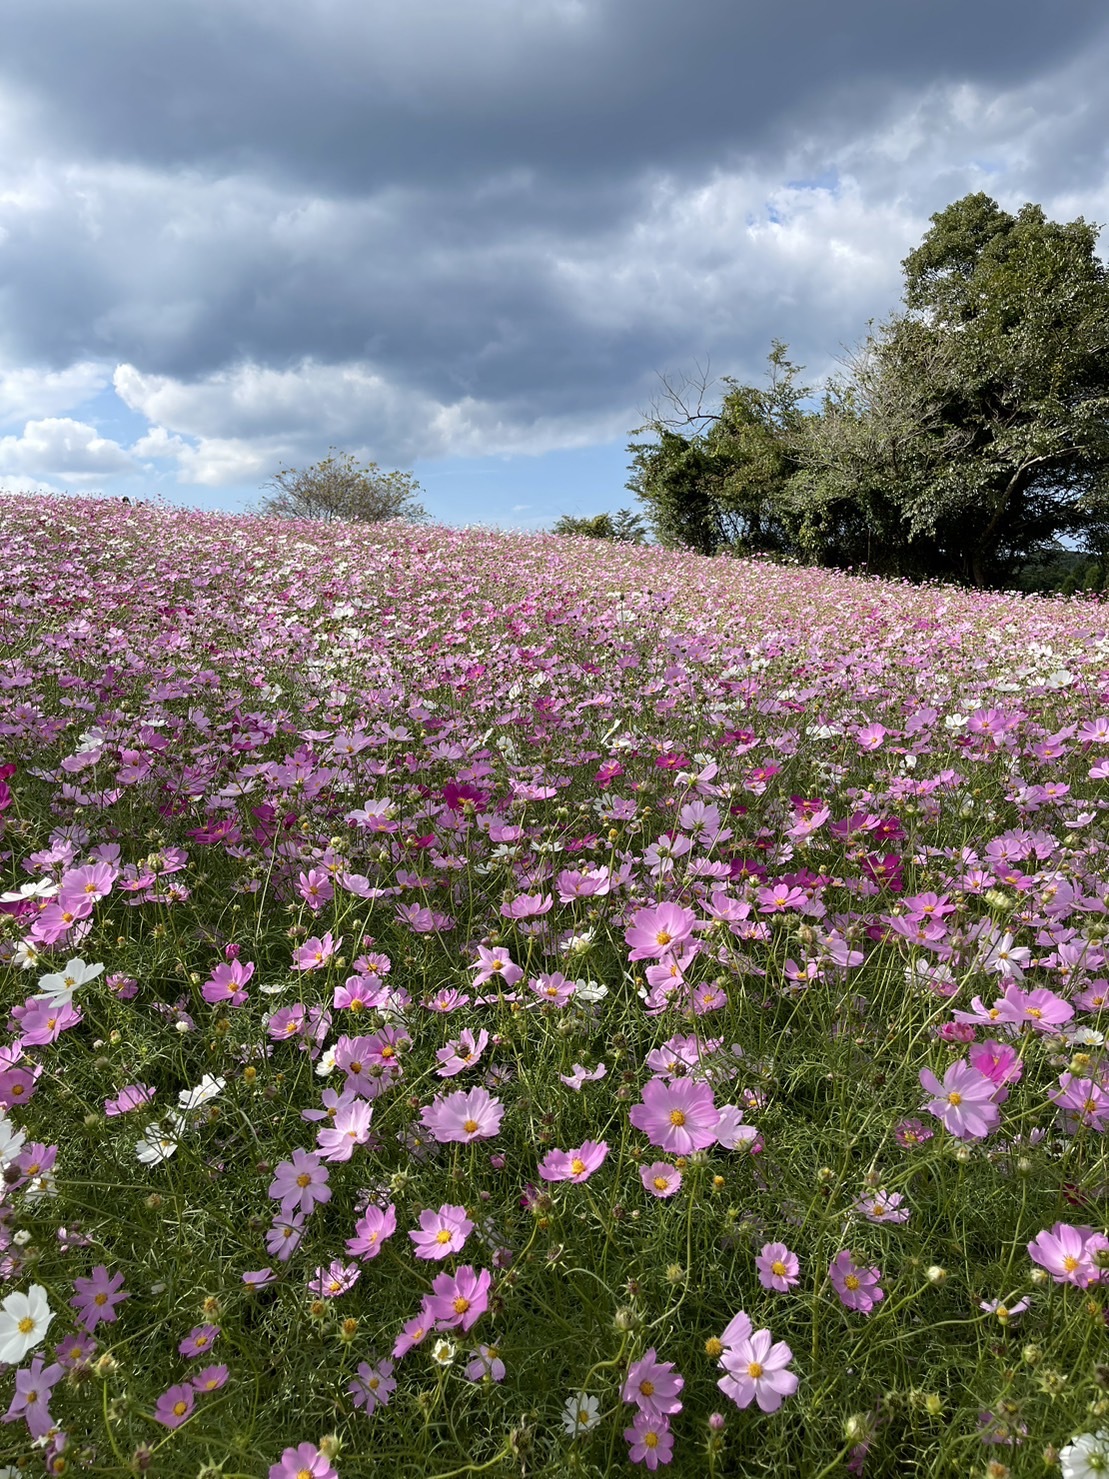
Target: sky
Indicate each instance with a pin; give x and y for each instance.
(469, 240)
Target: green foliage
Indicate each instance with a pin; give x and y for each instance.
(623, 526)
(337, 489)
(968, 433)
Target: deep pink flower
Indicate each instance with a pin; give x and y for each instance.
(304, 1460)
(856, 1286)
(756, 1372)
(371, 1231)
(442, 1233)
(96, 1298)
(573, 1165)
(778, 1268)
(300, 1183)
(678, 1117)
(459, 1300)
(653, 1386)
(650, 1440)
(964, 1102)
(475, 1115)
(174, 1406)
(315, 953)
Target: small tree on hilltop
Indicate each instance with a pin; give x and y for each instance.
(338, 490)
(623, 526)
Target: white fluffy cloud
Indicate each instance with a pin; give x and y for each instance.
(58, 445)
(27, 392)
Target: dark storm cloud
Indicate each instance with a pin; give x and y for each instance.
(439, 226)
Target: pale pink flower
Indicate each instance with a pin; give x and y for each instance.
(1067, 1253)
(756, 1372)
(778, 1268)
(315, 953)
(475, 1115)
(650, 1440)
(654, 932)
(660, 1178)
(371, 1230)
(350, 1127)
(442, 1233)
(678, 1117)
(460, 1299)
(653, 1386)
(856, 1286)
(964, 1102)
(462, 1053)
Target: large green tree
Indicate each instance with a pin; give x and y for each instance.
(716, 480)
(974, 424)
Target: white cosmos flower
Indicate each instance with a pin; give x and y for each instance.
(60, 985)
(24, 1319)
(1087, 1456)
(11, 1141)
(581, 1413)
(155, 1146)
(208, 1088)
(41, 888)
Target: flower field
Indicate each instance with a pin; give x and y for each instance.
(495, 1004)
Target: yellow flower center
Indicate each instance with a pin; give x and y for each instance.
(955, 1099)
(661, 1183)
(443, 1235)
(778, 1267)
(647, 1388)
(852, 1281)
(180, 1408)
(26, 1325)
(470, 1126)
(460, 1305)
(663, 937)
(650, 1440)
(100, 1299)
(677, 1117)
(577, 1165)
(304, 1179)
(754, 1370)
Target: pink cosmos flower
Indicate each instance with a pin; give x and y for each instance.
(350, 1127)
(485, 1362)
(1067, 1254)
(300, 1183)
(373, 1386)
(553, 988)
(1083, 1102)
(650, 1441)
(1000, 1062)
(199, 1341)
(1042, 1008)
(414, 1331)
(462, 1053)
(756, 1372)
(335, 1279)
(209, 1379)
(496, 962)
(31, 1399)
(315, 888)
(475, 1115)
(882, 1206)
(371, 1230)
(459, 1300)
(964, 1102)
(857, 1287)
(134, 1096)
(678, 1117)
(315, 953)
(653, 1386)
(582, 1075)
(660, 1178)
(174, 1406)
(654, 932)
(442, 1233)
(283, 1238)
(17, 1086)
(96, 1298)
(573, 1165)
(259, 1278)
(225, 985)
(778, 1268)
(303, 1462)
(911, 1132)
(731, 1132)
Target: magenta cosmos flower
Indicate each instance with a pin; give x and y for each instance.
(653, 1386)
(573, 1165)
(373, 1386)
(778, 1268)
(964, 1102)
(679, 1117)
(300, 1183)
(303, 1462)
(656, 932)
(475, 1115)
(650, 1440)
(199, 1341)
(756, 1372)
(459, 1300)
(314, 954)
(442, 1233)
(225, 985)
(96, 1298)
(857, 1287)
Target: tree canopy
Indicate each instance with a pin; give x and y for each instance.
(968, 433)
(337, 488)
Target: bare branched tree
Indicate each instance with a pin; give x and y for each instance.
(337, 489)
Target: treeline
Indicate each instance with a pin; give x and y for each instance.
(967, 437)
